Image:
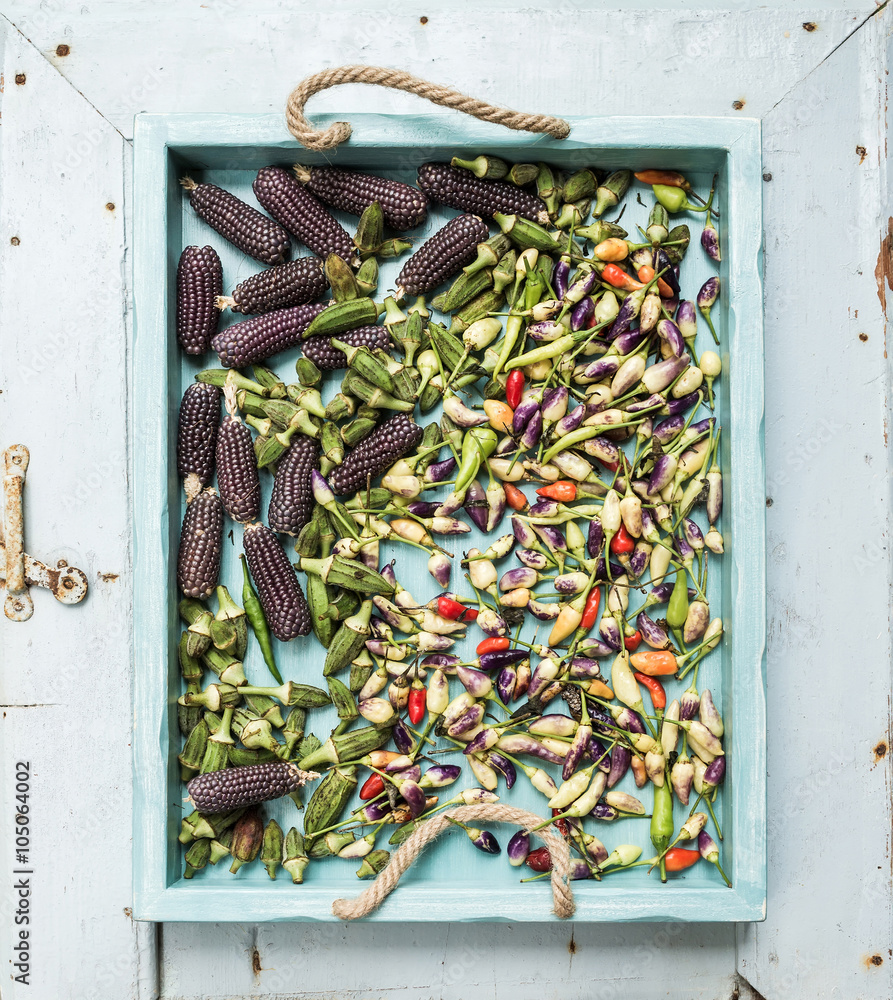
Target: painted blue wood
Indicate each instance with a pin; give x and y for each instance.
(447, 883)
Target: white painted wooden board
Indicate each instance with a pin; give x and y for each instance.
(821, 93)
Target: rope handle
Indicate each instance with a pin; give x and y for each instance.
(412, 847)
(398, 79)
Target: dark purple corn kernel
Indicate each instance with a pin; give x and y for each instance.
(279, 287)
(441, 256)
(459, 188)
(327, 358)
(235, 787)
(199, 282)
(261, 337)
(198, 559)
(197, 426)
(247, 229)
(291, 503)
(277, 584)
(402, 205)
(291, 204)
(237, 475)
(393, 439)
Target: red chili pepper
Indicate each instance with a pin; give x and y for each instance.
(514, 497)
(492, 644)
(415, 706)
(655, 689)
(450, 609)
(373, 786)
(540, 860)
(680, 858)
(561, 824)
(617, 277)
(470, 615)
(590, 611)
(622, 542)
(632, 641)
(563, 490)
(514, 386)
(668, 177)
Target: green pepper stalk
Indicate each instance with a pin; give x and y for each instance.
(256, 618)
(662, 825)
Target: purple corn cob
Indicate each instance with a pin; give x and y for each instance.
(197, 426)
(290, 284)
(402, 205)
(291, 204)
(280, 593)
(247, 229)
(261, 337)
(235, 787)
(441, 256)
(459, 188)
(199, 282)
(198, 560)
(389, 441)
(327, 358)
(291, 503)
(237, 474)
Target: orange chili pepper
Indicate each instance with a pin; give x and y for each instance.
(563, 490)
(622, 542)
(680, 858)
(590, 610)
(669, 177)
(632, 642)
(374, 786)
(655, 689)
(514, 497)
(492, 644)
(600, 690)
(646, 273)
(654, 663)
(617, 277)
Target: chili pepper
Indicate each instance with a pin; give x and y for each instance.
(646, 273)
(680, 858)
(677, 608)
(256, 618)
(617, 277)
(514, 497)
(662, 823)
(561, 825)
(452, 610)
(633, 641)
(655, 663)
(670, 178)
(655, 689)
(374, 785)
(673, 199)
(415, 707)
(623, 542)
(514, 386)
(563, 490)
(492, 645)
(540, 860)
(590, 611)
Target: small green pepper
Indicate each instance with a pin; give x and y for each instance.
(662, 823)
(255, 615)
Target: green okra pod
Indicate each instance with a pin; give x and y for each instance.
(341, 278)
(342, 316)
(271, 848)
(197, 857)
(296, 859)
(329, 798)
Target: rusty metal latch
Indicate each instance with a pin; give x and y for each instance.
(17, 568)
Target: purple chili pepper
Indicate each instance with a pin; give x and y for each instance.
(629, 341)
(669, 332)
(709, 293)
(546, 330)
(414, 795)
(519, 743)
(602, 448)
(544, 507)
(693, 534)
(582, 312)
(519, 846)
(579, 746)
(689, 704)
(652, 633)
(440, 775)
(439, 472)
(602, 368)
(519, 577)
(707, 846)
(627, 719)
(684, 403)
(486, 842)
(532, 432)
(710, 243)
(505, 767)
(443, 661)
(687, 319)
(668, 429)
(391, 615)
(604, 812)
(531, 559)
(620, 758)
(440, 567)
(554, 404)
(592, 647)
(413, 773)
(602, 721)
(496, 504)
(475, 504)
(544, 612)
(661, 262)
(483, 741)
(500, 658)
(475, 682)
(554, 539)
(596, 540)
(376, 810)
(601, 572)
(584, 668)
(659, 375)
(639, 559)
(599, 755)
(470, 718)
(570, 583)
(686, 552)
(709, 714)
(561, 273)
(651, 402)
(423, 508)
(525, 410)
(505, 683)
(609, 631)
(387, 571)
(715, 773)
(402, 737)
(523, 533)
(505, 447)
(629, 309)
(662, 473)
(571, 421)
(702, 426)
(379, 629)
(581, 287)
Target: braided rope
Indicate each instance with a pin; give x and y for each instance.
(398, 79)
(412, 847)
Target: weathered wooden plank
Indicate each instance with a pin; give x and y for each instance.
(828, 927)
(63, 341)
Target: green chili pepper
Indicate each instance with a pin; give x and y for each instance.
(255, 615)
(677, 609)
(478, 444)
(674, 200)
(662, 823)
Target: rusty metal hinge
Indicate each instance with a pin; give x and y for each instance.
(21, 571)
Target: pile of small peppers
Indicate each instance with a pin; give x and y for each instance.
(578, 425)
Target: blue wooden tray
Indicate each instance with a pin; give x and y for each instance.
(452, 881)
